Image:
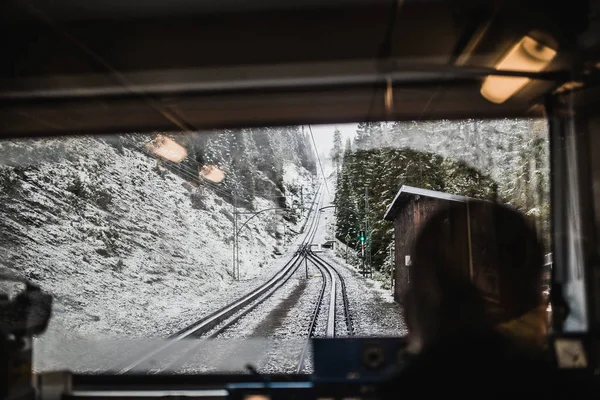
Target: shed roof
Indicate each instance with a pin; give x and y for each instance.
(408, 192)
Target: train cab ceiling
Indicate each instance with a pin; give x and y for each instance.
(113, 66)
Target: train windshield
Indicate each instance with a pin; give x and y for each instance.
(208, 251)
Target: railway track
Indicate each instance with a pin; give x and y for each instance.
(331, 278)
(331, 302)
(342, 285)
(151, 359)
(230, 353)
(332, 289)
(296, 261)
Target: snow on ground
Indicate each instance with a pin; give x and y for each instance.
(289, 337)
(284, 320)
(294, 174)
(89, 356)
(127, 248)
(132, 253)
(341, 327)
(284, 316)
(329, 234)
(372, 309)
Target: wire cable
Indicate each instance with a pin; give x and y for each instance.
(319, 159)
(194, 176)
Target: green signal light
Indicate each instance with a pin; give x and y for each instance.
(362, 236)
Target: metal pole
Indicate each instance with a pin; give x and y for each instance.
(575, 305)
(362, 253)
(368, 234)
(237, 255)
(346, 249)
(306, 266)
(234, 234)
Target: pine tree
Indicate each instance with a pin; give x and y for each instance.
(367, 134)
(383, 171)
(337, 150)
(513, 152)
(242, 177)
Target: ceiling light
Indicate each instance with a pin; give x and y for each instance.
(528, 55)
(168, 149)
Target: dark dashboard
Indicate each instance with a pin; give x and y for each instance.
(344, 368)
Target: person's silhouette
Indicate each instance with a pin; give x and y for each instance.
(473, 305)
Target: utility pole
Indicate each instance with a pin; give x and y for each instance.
(306, 266)
(301, 200)
(237, 251)
(392, 261)
(362, 251)
(235, 216)
(367, 234)
(283, 220)
(347, 240)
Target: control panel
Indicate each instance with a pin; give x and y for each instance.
(363, 360)
(355, 367)
(342, 368)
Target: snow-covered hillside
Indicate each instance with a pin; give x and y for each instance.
(126, 247)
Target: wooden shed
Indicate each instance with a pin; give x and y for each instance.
(409, 210)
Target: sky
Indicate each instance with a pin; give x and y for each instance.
(323, 135)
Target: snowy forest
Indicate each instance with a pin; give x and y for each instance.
(506, 160)
(251, 159)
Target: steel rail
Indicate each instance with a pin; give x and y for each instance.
(345, 300)
(298, 257)
(207, 323)
(324, 265)
(313, 322)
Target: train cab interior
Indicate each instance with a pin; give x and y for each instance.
(105, 68)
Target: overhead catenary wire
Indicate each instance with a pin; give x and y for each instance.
(216, 186)
(207, 181)
(91, 204)
(194, 176)
(319, 159)
(184, 171)
(190, 174)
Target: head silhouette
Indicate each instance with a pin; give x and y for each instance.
(475, 265)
